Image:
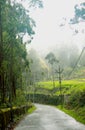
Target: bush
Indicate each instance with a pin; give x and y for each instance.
(77, 99)
(20, 98)
(45, 99)
(8, 115)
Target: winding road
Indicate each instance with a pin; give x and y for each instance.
(49, 118)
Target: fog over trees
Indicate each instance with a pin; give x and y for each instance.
(23, 69)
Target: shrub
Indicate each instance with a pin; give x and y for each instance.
(77, 99)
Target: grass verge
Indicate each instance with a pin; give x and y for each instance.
(77, 113)
(18, 119)
(31, 110)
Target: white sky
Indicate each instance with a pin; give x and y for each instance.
(48, 32)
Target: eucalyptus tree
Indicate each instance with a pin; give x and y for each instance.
(79, 14)
(79, 17)
(2, 3)
(15, 22)
(52, 60)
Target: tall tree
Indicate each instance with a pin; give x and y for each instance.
(52, 60)
(79, 16)
(2, 3)
(15, 22)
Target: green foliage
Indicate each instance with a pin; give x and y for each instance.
(20, 98)
(78, 114)
(30, 110)
(75, 106)
(79, 13)
(14, 114)
(46, 85)
(43, 98)
(68, 86)
(15, 22)
(18, 20)
(77, 98)
(36, 3)
(51, 58)
(73, 90)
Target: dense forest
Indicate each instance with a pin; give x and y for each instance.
(15, 22)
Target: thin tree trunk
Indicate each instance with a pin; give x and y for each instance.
(1, 58)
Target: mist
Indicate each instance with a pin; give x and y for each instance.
(53, 28)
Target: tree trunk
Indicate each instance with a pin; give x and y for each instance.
(1, 59)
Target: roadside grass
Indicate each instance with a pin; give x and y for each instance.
(20, 118)
(31, 110)
(77, 113)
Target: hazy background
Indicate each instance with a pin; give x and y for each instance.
(49, 26)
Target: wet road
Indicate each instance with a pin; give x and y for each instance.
(49, 118)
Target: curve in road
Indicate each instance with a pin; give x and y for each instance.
(49, 118)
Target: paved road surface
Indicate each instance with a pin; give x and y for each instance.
(49, 118)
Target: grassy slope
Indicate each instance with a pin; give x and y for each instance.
(67, 86)
(78, 114)
(31, 110)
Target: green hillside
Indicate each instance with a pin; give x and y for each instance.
(68, 86)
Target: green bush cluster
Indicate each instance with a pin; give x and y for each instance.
(45, 99)
(77, 99)
(20, 98)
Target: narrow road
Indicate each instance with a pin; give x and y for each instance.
(49, 118)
